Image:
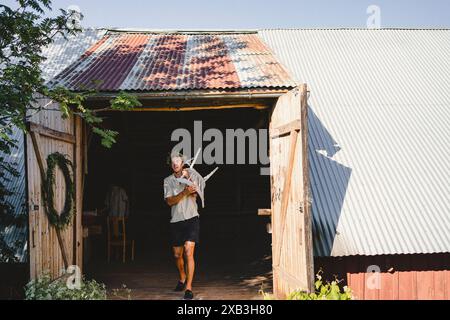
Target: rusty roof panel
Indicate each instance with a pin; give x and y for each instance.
(143, 61)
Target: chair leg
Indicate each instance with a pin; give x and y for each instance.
(124, 252)
(109, 252)
(132, 250)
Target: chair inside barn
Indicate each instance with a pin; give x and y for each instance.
(117, 237)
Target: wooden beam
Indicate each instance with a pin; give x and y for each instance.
(85, 145)
(285, 196)
(257, 106)
(62, 247)
(35, 138)
(289, 277)
(50, 133)
(78, 182)
(264, 212)
(286, 129)
(309, 258)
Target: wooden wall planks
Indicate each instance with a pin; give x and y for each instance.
(45, 252)
(402, 277)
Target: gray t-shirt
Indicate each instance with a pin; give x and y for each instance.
(186, 208)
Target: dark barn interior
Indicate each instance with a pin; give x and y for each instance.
(234, 242)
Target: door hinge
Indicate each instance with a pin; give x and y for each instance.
(34, 207)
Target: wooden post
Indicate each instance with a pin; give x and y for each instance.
(306, 190)
(78, 182)
(62, 247)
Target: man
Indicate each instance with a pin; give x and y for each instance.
(184, 223)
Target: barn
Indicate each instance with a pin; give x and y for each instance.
(357, 129)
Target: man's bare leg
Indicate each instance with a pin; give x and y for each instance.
(179, 260)
(189, 247)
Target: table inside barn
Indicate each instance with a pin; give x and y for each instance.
(94, 235)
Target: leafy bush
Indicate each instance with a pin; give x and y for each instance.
(44, 288)
(122, 293)
(323, 291)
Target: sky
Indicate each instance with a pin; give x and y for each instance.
(254, 14)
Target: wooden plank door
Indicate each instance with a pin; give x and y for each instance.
(291, 221)
(49, 133)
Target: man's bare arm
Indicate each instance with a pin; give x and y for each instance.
(171, 201)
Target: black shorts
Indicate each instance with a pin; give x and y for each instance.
(187, 230)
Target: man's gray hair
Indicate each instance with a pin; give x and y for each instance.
(175, 155)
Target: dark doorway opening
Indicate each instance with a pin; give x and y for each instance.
(234, 242)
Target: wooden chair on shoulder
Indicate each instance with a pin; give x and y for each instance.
(117, 236)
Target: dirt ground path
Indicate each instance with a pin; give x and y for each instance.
(155, 281)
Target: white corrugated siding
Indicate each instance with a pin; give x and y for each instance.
(379, 136)
(14, 236)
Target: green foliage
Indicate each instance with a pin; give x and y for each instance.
(45, 289)
(67, 100)
(25, 29)
(8, 252)
(24, 32)
(323, 291)
(122, 293)
(267, 296)
(58, 220)
(124, 102)
(108, 136)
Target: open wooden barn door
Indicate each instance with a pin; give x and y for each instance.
(51, 251)
(291, 221)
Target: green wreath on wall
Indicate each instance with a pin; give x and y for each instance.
(62, 219)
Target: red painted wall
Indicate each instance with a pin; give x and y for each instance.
(401, 277)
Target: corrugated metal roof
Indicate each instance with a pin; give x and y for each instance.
(16, 237)
(379, 136)
(145, 61)
(65, 50)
